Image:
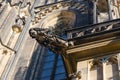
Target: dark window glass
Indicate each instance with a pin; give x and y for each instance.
(48, 65)
(49, 53)
(60, 62)
(60, 77)
(50, 68)
(60, 69)
(45, 78)
(46, 73)
(49, 58)
(59, 57)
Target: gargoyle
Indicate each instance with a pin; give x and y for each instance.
(53, 42)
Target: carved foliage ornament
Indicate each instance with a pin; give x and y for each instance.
(96, 63)
(41, 11)
(95, 28)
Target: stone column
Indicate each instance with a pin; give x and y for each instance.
(119, 65)
(88, 77)
(94, 11)
(104, 70)
(83, 69)
(116, 2)
(109, 10)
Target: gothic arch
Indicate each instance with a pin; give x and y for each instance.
(59, 12)
(65, 17)
(63, 12)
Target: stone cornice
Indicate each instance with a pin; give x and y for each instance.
(94, 30)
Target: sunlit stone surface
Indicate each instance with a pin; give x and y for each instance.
(22, 58)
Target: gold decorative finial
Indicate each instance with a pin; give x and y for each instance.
(16, 28)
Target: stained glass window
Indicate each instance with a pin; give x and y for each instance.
(52, 68)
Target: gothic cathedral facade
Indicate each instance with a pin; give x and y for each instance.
(80, 41)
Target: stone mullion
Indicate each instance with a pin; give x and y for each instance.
(39, 61)
(94, 11)
(104, 64)
(119, 65)
(109, 10)
(88, 78)
(54, 67)
(104, 70)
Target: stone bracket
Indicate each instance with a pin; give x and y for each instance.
(75, 75)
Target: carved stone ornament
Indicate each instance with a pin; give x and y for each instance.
(53, 42)
(19, 23)
(112, 60)
(25, 11)
(2, 5)
(95, 28)
(75, 75)
(5, 49)
(41, 11)
(95, 63)
(23, 8)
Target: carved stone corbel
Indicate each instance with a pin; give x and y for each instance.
(76, 75)
(95, 63)
(112, 60)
